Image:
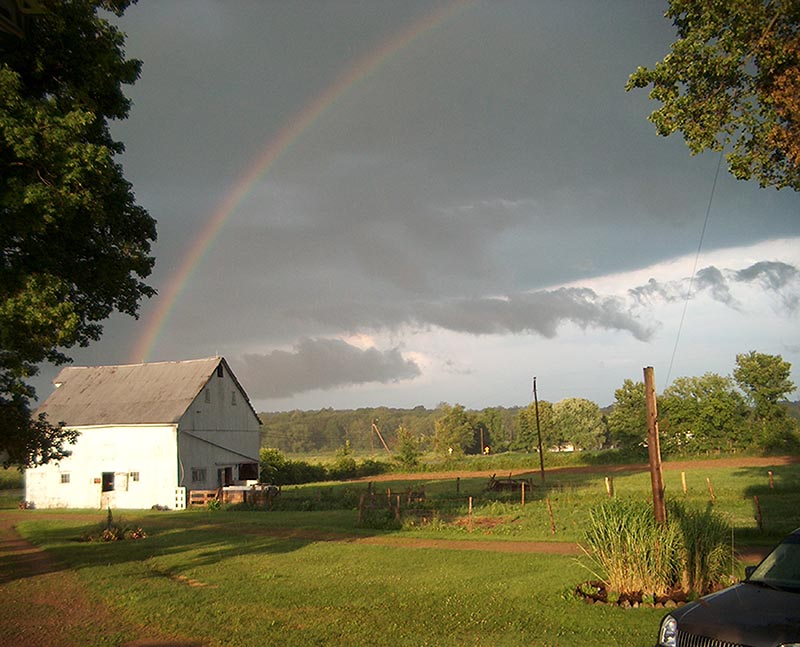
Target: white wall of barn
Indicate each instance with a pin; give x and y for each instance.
(218, 431)
(142, 459)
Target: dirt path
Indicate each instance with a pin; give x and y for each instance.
(46, 604)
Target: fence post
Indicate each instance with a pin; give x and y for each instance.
(523, 494)
(759, 519)
(552, 521)
(771, 481)
(683, 481)
(711, 490)
(610, 487)
(360, 509)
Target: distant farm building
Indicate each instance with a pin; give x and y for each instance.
(149, 434)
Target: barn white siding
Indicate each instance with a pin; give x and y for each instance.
(218, 433)
(141, 460)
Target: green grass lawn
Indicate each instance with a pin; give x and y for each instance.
(241, 578)
(211, 575)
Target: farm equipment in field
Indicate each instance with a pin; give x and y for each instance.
(509, 484)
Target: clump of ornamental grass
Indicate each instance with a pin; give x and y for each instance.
(632, 553)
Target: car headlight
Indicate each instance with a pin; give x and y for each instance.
(669, 632)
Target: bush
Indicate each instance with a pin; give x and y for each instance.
(112, 531)
(276, 469)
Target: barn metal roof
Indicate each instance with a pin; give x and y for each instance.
(153, 393)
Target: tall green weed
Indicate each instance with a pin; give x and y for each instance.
(634, 553)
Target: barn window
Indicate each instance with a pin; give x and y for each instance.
(233, 398)
(198, 474)
(134, 476)
(208, 395)
(65, 477)
(219, 370)
(248, 471)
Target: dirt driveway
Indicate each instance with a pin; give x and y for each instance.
(46, 604)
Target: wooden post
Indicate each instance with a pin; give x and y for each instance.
(683, 481)
(711, 490)
(360, 509)
(470, 514)
(771, 481)
(397, 509)
(458, 484)
(610, 487)
(523, 494)
(538, 430)
(552, 521)
(654, 447)
(759, 519)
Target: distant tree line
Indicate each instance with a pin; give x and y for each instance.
(711, 413)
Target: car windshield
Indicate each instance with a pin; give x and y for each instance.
(781, 568)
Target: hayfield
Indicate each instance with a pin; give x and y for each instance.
(309, 575)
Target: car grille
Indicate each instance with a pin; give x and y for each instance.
(693, 640)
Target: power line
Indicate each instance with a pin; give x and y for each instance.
(694, 270)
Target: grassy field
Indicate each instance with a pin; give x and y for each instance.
(313, 577)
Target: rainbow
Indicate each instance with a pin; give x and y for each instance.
(361, 69)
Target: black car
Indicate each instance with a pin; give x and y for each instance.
(761, 611)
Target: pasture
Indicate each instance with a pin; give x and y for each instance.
(307, 574)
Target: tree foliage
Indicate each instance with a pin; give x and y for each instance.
(732, 81)
(528, 437)
(454, 431)
(765, 381)
(627, 422)
(703, 414)
(578, 422)
(408, 452)
(74, 245)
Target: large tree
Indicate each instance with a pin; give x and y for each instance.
(74, 245)
(578, 421)
(454, 430)
(627, 422)
(703, 414)
(765, 380)
(528, 436)
(732, 82)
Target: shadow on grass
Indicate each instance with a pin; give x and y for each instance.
(775, 500)
(52, 543)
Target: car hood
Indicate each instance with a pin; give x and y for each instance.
(744, 614)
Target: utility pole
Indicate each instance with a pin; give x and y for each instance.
(377, 430)
(538, 429)
(654, 446)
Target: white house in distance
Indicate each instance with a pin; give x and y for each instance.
(148, 434)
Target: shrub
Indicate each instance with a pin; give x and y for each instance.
(112, 531)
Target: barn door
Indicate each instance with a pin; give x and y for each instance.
(225, 476)
(108, 482)
(107, 490)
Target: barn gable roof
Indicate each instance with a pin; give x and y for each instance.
(154, 393)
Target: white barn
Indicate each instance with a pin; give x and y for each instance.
(149, 433)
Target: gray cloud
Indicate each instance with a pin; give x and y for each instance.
(773, 276)
(540, 312)
(713, 280)
(320, 364)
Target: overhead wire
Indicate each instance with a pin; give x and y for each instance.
(694, 271)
